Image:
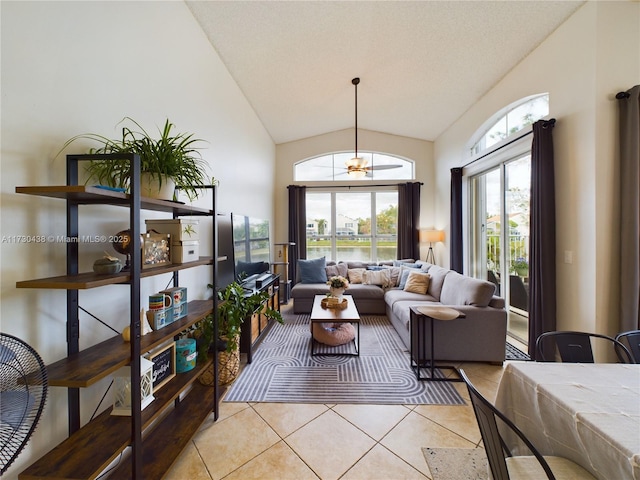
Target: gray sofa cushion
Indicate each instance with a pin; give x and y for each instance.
(462, 290)
(437, 275)
(339, 269)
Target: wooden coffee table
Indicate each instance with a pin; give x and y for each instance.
(319, 314)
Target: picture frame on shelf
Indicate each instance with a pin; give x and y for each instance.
(164, 365)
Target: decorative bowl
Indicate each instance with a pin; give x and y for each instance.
(106, 266)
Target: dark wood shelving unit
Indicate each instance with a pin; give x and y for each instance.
(151, 439)
(83, 281)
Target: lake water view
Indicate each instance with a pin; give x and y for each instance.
(352, 254)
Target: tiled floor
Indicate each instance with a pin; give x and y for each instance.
(309, 441)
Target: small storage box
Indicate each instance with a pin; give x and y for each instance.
(185, 355)
(160, 318)
(179, 296)
(180, 229)
(187, 251)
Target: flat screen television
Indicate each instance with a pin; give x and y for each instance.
(226, 265)
(251, 247)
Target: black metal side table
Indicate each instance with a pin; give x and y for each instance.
(418, 318)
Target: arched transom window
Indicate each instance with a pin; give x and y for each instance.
(341, 167)
(511, 120)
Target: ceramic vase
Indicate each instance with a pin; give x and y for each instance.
(336, 292)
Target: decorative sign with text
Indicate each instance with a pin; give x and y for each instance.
(164, 365)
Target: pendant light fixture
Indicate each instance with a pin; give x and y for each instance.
(357, 166)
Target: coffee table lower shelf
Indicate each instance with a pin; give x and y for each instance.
(350, 314)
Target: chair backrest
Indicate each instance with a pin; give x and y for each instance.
(631, 340)
(518, 295)
(491, 276)
(494, 445)
(575, 347)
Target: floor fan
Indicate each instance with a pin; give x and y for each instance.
(23, 392)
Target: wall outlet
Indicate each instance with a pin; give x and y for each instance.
(568, 256)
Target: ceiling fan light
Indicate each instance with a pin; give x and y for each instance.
(356, 163)
(357, 173)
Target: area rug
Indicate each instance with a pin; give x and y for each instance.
(514, 353)
(456, 463)
(283, 370)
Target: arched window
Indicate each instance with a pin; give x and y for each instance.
(339, 167)
(510, 120)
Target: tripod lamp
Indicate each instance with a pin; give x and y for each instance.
(430, 237)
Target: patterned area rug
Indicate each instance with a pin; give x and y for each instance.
(283, 370)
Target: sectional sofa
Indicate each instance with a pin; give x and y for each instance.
(388, 288)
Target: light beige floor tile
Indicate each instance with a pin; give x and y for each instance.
(279, 462)
(415, 432)
(329, 445)
(459, 419)
(374, 420)
(380, 464)
(188, 465)
(228, 409)
(232, 442)
(286, 418)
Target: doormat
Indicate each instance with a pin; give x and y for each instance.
(457, 463)
(283, 370)
(514, 353)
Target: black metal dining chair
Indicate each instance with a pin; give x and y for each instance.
(576, 347)
(631, 340)
(504, 464)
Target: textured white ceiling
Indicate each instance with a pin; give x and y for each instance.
(422, 64)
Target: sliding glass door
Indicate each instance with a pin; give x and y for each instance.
(499, 248)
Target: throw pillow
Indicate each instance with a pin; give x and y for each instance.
(417, 282)
(312, 271)
(404, 274)
(355, 274)
(339, 269)
(377, 277)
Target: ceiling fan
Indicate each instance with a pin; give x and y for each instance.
(358, 167)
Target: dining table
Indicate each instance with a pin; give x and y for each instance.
(586, 412)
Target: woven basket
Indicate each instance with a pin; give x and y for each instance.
(228, 368)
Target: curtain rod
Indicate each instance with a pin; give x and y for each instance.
(352, 186)
(551, 122)
(622, 95)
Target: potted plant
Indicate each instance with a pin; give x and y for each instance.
(236, 305)
(171, 160)
(520, 267)
(337, 285)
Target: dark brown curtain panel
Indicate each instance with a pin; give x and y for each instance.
(542, 246)
(297, 227)
(629, 105)
(408, 219)
(456, 261)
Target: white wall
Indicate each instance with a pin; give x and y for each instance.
(582, 65)
(77, 67)
(287, 154)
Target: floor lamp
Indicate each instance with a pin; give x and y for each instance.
(430, 237)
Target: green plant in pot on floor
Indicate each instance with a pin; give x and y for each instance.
(173, 159)
(236, 304)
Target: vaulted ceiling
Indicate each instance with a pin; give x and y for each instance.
(422, 64)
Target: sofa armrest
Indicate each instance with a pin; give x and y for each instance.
(497, 302)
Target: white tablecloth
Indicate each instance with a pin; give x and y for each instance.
(589, 413)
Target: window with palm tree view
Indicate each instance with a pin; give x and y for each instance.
(352, 225)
